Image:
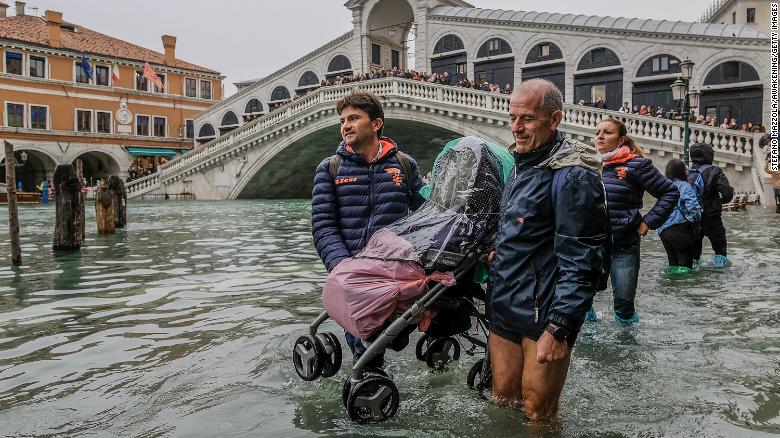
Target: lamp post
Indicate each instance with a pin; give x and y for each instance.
(687, 99)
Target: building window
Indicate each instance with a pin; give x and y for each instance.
(205, 89)
(751, 15)
(661, 64)
(39, 117)
(376, 54)
(544, 50)
(37, 66)
(395, 59)
(731, 71)
(598, 55)
(733, 18)
(190, 87)
(102, 75)
(13, 63)
(81, 75)
(162, 79)
(141, 83)
(159, 127)
(494, 45)
(103, 119)
(461, 68)
(14, 115)
(141, 125)
(83, 120)
(189, 128)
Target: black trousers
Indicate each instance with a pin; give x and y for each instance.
(712, 228)
(679, 241)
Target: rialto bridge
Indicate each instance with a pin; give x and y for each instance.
(258, 143)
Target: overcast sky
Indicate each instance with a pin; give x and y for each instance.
(247, 39)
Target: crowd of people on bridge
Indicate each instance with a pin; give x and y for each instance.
(597, 202)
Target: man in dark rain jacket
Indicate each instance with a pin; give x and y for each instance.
(552, 253)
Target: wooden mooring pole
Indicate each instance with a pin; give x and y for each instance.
(117, 188)
(104, 209)
(81, 218)
(13, 213)
(70, 207)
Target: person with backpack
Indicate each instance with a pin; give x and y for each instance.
(714, 191)
(368, 184)
(681, 229)
(627, 174)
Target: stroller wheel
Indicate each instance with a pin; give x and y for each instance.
(331, 362)
(348, 384)
(308, 354)
(479, 379)
(421, 344)
(442, 351)
(375, 398)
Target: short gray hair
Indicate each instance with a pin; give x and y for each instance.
(552, 99)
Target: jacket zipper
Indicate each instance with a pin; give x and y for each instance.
(536, 300)
(370, 203)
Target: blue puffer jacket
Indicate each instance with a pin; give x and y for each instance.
(626, 177)
(688, 208)
(364, 198)
(552, 249)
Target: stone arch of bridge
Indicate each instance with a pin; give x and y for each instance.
(422, 135)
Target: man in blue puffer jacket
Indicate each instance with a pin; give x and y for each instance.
(370, 189)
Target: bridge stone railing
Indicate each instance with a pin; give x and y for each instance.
(731, 146)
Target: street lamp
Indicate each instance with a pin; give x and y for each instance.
(687, 99)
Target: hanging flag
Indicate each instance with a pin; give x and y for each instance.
(152, 76)
(115, 72)
(86, 67)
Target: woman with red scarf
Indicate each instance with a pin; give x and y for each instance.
(627, 174)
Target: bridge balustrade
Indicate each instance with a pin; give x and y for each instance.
(731, 146)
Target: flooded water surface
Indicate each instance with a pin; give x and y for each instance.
(182, 325)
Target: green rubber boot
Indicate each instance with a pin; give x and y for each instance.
(677, 271)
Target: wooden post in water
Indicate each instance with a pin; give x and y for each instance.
(104, 209)
(13, 213)
(117, 187)
(80, 175)
(69, 204)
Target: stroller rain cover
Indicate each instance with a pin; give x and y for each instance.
(461, 213)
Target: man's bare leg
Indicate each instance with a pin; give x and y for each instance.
(506, 363)
(541, 383)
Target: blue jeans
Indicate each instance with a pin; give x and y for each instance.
(624, 275)
(355, 345)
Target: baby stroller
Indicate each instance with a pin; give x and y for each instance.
(381, 294)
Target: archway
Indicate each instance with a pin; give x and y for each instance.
(495, 63)
(545, 52)
(449, 56)
(229, 123)
(206, 133)
(648, 90)
(338, 66)
(605, 82)
(307, 82)
(37, 168)
(279, 97)
(388, 25)
(421, 140)
(736, 93)
(98, 165)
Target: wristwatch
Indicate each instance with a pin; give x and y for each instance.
(560, 333)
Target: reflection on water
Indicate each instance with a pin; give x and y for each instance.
(182, 325)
